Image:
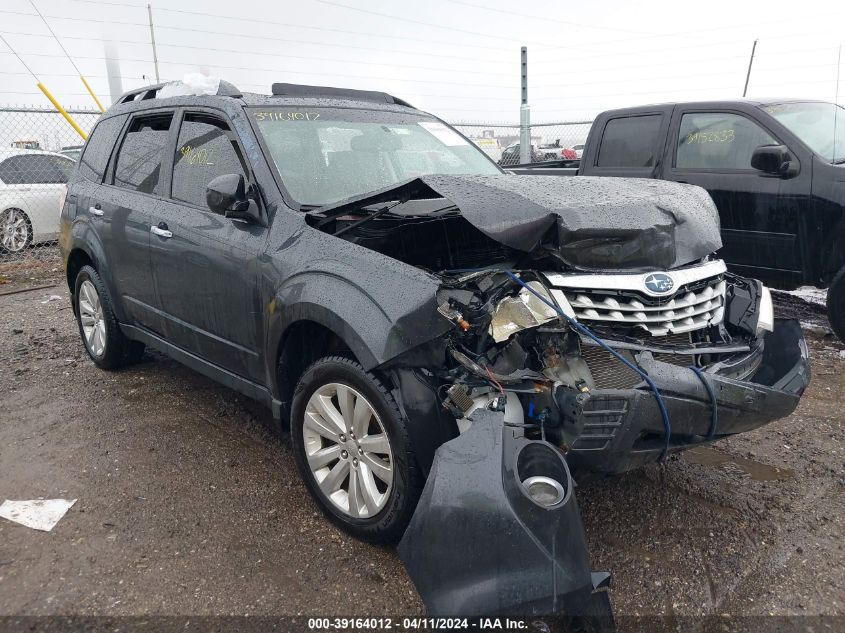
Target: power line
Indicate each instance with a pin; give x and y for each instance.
(60, 17)
(410, 20)
(694, 33)
(20, 59)
(329, 30)
(285, 40)
(287, 56)
(58, 41)
(96, 57)
(342, 74)
(5, 72)
(546, 18)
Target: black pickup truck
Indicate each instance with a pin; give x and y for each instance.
(775, 169)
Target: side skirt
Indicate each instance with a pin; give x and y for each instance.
(218, 374)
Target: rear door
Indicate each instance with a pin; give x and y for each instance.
(122, 210)
(760, 213)
(205, 265)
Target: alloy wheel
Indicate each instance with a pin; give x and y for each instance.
(14, 230)
(91, 317)
(348, 450)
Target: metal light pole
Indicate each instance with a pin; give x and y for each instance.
(153, 40)
(524, 113)
(748, 75)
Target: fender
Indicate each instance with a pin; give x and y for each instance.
(375, 330)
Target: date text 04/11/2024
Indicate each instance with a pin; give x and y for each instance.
(416, 624)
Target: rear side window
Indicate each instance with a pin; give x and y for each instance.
(630, 141)
(95, 157)
(206, 149)
(718, 140)
(138, 165)
(35, 169)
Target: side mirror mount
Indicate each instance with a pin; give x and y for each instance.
(775, 160)
(227, 195)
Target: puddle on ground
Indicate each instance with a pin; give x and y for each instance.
(707, 456)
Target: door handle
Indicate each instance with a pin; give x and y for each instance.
(95, 210)
(161, 231)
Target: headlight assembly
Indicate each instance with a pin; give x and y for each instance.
(521, 312)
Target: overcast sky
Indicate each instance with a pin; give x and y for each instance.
(456, 58)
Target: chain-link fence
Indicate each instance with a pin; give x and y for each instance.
(38, 151)
(549, 141)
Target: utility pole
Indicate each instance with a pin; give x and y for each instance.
(524, 113)
(153, 41)
(836, 103)
(748, 74)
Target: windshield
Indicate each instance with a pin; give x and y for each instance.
(328, 154)
(817, 124)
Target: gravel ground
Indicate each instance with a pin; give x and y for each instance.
(188, 504)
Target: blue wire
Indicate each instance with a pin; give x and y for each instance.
(714, 407)
(667, 425)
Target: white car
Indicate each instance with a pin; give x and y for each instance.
(32, 185)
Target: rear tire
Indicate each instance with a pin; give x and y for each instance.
(15, 231)
(106, 345)
(836, 304)
(358, 467)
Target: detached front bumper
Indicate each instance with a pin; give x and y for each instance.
(478, 545)
(617, 430)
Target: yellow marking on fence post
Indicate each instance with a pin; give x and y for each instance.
(91, 92)
(62, 111)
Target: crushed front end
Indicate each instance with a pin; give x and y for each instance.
(705, 358)
(598, 373)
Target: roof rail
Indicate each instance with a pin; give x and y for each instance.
(225, 89)
(139, 94)
(299, 90)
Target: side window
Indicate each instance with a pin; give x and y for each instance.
(206, 149)
(138, 165)
(630, 141)
(718, 140)
(95, 156)
(9, 173)
(35, 169)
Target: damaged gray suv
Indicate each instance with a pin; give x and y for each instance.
(420, 318)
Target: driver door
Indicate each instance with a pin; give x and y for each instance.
(762, 215)
(205, 266)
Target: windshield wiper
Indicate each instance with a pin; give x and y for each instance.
(372, 216)
(837, 162)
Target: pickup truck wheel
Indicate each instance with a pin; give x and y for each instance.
(352, 447)
(98, 327)
(836, 304)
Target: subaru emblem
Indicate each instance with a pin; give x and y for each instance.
(659, 283)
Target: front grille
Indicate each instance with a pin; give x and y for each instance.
(677, 340)
(620, 300)
(608, 371)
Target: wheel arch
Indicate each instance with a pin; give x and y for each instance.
(832, 254)
(303, 342)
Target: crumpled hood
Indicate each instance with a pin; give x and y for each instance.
(588, 222)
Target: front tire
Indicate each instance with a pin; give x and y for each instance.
(105, 343)
(836, 304)
(352, 447)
